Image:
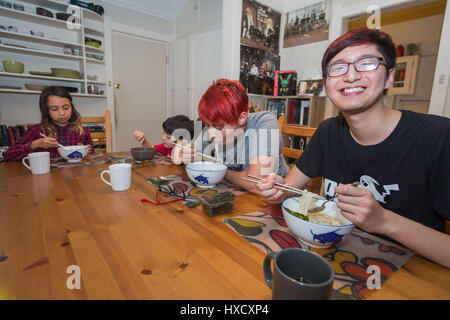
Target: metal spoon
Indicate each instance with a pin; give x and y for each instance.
(321, 207)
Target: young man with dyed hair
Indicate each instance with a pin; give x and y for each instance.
(401, 159)
(250, 143)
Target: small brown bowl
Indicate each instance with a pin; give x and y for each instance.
(143, 154)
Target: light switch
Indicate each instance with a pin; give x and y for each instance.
(442, 79)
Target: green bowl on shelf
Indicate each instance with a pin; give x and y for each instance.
(65, 73)
(41, 73)
(92, 44)
(13, 66)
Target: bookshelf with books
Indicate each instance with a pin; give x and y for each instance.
(300, 110)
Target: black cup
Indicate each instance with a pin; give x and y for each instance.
(298, 275)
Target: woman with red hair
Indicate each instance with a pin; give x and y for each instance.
(401, 159)
(250, 143)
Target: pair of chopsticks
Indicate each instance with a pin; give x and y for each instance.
(59, 144)
(280, 186)
(198, 152)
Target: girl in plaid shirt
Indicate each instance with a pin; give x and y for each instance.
(60, 122)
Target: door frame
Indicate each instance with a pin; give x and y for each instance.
(191, 68)
(124, 29)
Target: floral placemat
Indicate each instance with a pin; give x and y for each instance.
(181, 183)
(350, 259)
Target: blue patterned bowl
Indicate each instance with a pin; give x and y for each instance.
(206, 174)
(74, 154)
(314, 234)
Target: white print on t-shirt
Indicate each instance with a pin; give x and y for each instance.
(364, 182)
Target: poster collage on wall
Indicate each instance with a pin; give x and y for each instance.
(260, 37)
(260, 40)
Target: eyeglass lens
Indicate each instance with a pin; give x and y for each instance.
(362, 65)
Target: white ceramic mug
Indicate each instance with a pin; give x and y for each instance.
(120, 175)
(39, 162)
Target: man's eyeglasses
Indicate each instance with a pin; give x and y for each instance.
(176, 193)
(362, 65)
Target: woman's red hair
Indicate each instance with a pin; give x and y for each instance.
(223, 103)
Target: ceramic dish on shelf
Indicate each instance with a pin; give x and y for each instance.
(44, 12)
(35, 87)
(10, 87)
(65, 73)
(41, 73)
(63, 16)
(15, 45)
(13, 66)
(92, 44)
(18, 7)
(92, 40)
(5, 4)
(37, 33)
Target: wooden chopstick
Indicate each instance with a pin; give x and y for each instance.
(298, 191)
(281, 186)
(202, 154)
(59, 144)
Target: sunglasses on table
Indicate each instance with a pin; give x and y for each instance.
(175, 193)
(364, 64)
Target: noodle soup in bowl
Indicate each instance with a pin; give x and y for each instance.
(318, 230)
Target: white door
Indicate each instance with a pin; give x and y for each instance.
(140, 94)
(205, 66)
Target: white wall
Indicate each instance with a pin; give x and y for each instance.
(198, 18)
(425, 31)
(440, 97)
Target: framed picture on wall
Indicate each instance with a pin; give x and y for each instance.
(310, 87)
(307, 24)
(260, 26)
(285, 82)
(405, 75)
(257, 73)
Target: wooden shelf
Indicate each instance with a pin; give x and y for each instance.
(31, 76)
(39, 92)
(35, 18)
(46, 50)
(90, 49)
(36, 39)
(95, 61)
(41, 53)
(54, 5)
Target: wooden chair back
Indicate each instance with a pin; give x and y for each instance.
(101, 137)
(315, 184)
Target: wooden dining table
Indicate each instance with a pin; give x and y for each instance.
(68, 222)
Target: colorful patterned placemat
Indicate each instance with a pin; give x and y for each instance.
(182, 182)
(99, 158)
(350, 259)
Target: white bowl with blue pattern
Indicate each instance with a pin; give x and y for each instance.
(206, 174)
(314, 234)
(74, 154)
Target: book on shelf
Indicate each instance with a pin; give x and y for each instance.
(6, 140)
(9, 134)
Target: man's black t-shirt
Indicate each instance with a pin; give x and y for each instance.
(408, 173)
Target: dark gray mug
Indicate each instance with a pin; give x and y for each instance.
(298, 275)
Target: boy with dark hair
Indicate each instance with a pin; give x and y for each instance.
(175, 128)
(401, 159)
